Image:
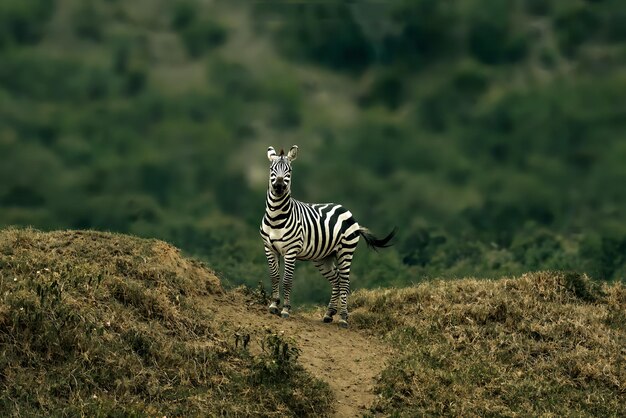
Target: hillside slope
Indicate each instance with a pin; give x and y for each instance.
(542, 344)
(102, 324)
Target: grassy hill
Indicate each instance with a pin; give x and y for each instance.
(543, 344)
(103, 324)
(99, 324)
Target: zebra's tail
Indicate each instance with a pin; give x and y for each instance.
(374, 242)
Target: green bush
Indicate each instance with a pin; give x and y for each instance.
(491, 36)
(46, 78)
(453, 100)
(278, 360)
(614, 21)
(183, 14)
(604, 256)
(538, 7)
(424, 32)
(387, 88)
(534, 250)
(575, 26)
(23, 22)
(324, 33)
(233, 79)
(87, 22)
(201, 36)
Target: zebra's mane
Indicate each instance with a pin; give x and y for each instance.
(282, 153)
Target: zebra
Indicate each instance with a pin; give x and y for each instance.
(326, 234)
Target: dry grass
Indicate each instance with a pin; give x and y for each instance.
(543, 344)
(98, 324)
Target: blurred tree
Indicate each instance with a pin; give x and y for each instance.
(87, 22)
(324, 33)
(423, 31)
(574, 26)
(202, 36)
(492, 38)
(23, 22)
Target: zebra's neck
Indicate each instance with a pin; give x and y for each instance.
(277, 205)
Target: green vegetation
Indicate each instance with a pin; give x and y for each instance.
(491, 133)
(544, 343)
(102, 324)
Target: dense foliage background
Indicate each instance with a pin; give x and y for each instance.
(492, 133)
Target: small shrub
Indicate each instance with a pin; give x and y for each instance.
(183, 14)
(388, 89)
(26, 74)
(538, 7)
(614, 19)
(534, 250)
(492, 42)
(87, 21)
(574, 27)
(324, 33)
(202, 36)
(278, 359)
(424, 32)
(234, 80)
(257, 295)
(23, 22)
(581, 286)
(135, 80)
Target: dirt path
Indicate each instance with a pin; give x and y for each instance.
(347, 360)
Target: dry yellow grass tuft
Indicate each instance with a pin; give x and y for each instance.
(546, 343)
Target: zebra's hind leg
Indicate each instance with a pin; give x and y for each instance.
(343, 320)
(328, 270)
(344, 287)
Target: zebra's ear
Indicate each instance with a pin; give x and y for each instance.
(271, 153)
(293, 153)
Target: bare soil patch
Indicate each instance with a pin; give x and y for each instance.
(348, 360)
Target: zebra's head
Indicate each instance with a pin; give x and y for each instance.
(280, 169)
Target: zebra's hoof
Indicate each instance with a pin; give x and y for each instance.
(284, 314)
(328, 319)
(274, 310)
(343, 323)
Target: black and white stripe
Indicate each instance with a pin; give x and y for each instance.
(326, 234)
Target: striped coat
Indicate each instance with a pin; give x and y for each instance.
(326, 234)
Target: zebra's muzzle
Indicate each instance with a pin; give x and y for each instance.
(279, 188)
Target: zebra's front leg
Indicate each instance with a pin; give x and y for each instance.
(273, 261)
(290, 264)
